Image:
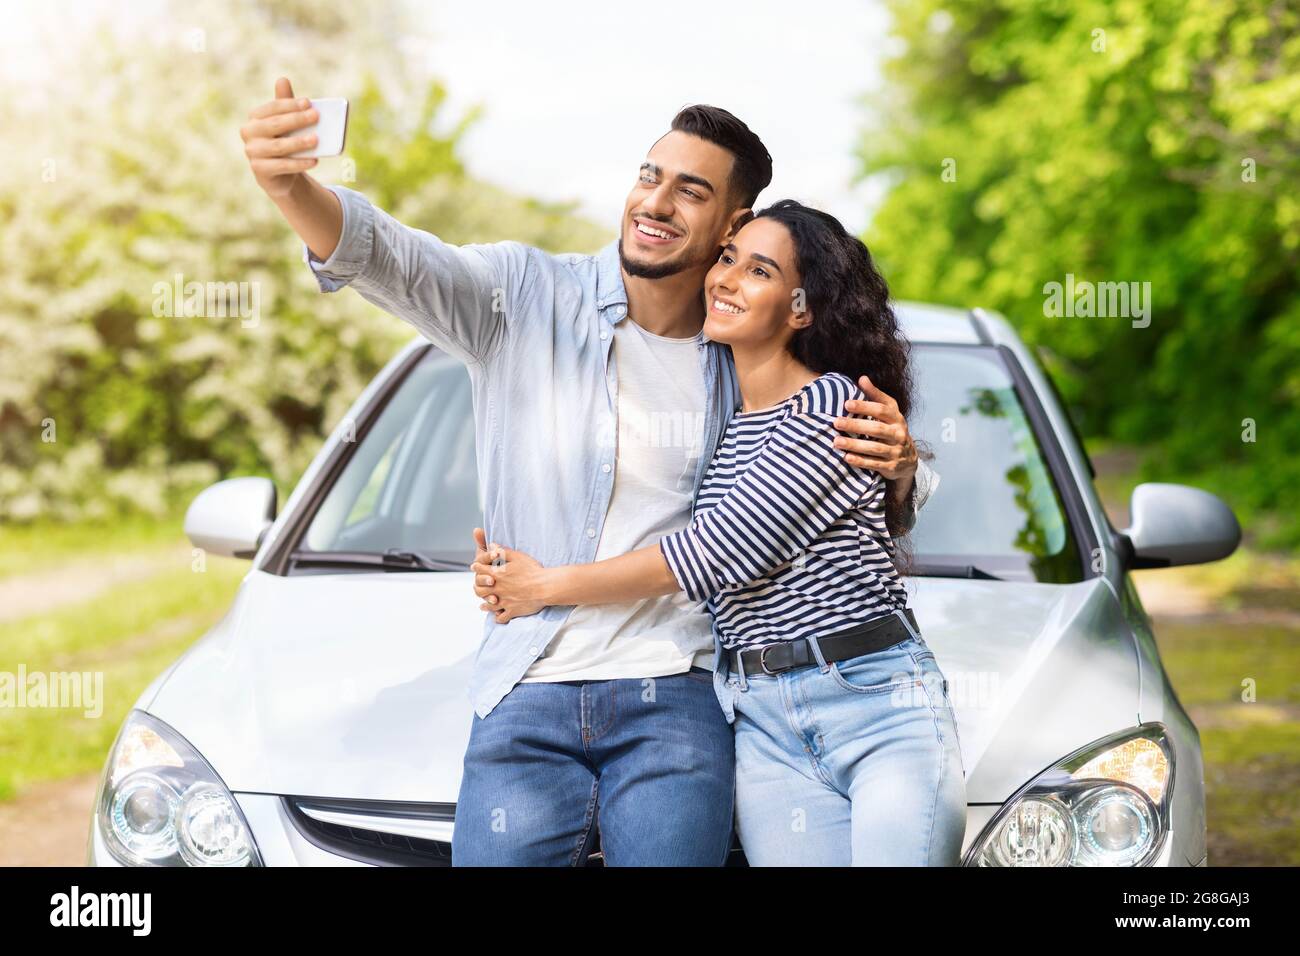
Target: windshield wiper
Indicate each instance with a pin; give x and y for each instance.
(422, 560)
(951, 571)
(395, 559)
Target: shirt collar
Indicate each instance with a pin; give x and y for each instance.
(609, 281)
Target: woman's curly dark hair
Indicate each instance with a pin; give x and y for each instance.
(854, 329)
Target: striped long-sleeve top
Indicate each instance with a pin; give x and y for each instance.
(786, 538)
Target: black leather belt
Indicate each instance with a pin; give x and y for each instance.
(841, 646)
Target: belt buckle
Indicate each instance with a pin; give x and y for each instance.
(762, 660)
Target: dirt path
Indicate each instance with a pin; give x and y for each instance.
(47, 825)
(1166, 593)
(45, 591)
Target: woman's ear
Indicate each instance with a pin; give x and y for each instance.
(800, 315)
(800, 320)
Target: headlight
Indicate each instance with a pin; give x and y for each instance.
(160, 803)
(1105, 805)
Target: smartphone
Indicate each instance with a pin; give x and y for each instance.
(331, 128)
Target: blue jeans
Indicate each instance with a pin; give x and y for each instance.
(651, 762)
(853, 763)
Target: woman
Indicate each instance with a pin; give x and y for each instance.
(846, 743)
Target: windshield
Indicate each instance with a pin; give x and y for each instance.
(412, 483)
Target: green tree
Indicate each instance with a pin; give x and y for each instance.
(1138, 141)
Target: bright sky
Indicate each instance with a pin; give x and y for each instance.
(575, 92)
(574, 101)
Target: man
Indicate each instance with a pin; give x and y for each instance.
(593, 437)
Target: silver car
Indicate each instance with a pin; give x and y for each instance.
(324, 719)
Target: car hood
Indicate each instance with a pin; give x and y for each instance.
(352, 686)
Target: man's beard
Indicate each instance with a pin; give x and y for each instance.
(661, 270)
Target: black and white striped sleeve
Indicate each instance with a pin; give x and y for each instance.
(796, 489)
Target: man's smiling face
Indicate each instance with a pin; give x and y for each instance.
(680, 208)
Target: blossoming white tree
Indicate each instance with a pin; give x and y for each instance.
(125, 171)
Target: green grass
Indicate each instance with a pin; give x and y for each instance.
(1250, 748)
(25, 549)
(1209, 660)
(129, 635)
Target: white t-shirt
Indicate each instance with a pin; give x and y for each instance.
(661, 405)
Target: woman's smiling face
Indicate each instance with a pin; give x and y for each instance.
(753, 291)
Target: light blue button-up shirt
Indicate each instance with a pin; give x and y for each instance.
(535, 331)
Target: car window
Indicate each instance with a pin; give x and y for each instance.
(997, 507)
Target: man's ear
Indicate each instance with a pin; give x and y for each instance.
(738, 219)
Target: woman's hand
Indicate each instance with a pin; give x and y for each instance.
(517, 588)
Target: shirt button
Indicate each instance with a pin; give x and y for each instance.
(603, 335)
(605, 469)
(532, 650)
(591, 532)
(618, 310)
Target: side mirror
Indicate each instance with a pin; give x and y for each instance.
(230, 517)
(1176, 524)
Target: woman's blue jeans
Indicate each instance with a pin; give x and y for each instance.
(855, 762)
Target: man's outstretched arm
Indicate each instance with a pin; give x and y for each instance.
(456, 296)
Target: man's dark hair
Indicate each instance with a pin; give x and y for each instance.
(752, 170)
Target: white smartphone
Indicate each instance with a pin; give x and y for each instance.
(331, 128)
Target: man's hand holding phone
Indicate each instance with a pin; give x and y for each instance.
(272, 134)
(282, 140)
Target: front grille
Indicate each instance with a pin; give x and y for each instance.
(379, 832)
(389, 833)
